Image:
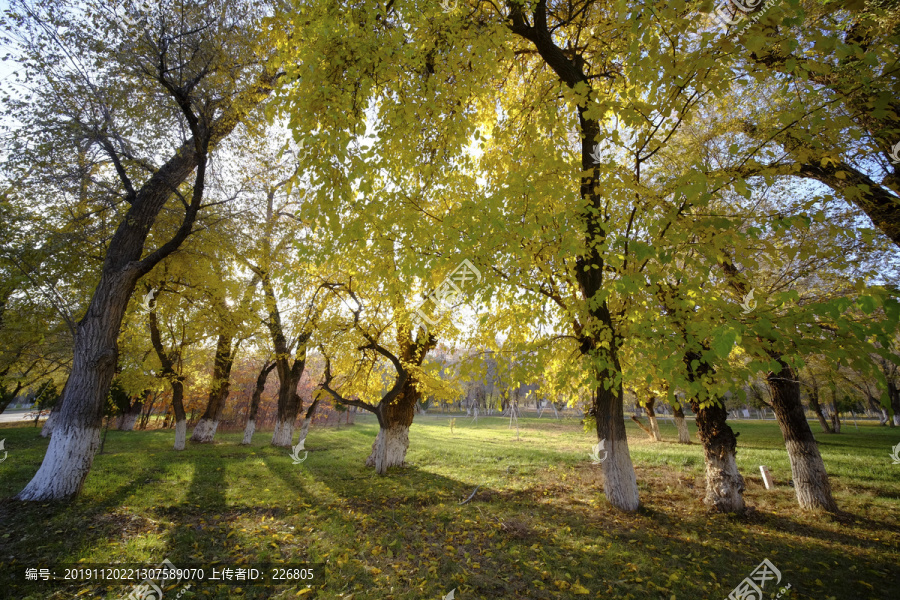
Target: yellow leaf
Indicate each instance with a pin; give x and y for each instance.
(580, 589)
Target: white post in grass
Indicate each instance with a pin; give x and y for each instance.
(767, 477)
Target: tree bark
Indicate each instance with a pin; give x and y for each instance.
(128, 420)
(651, 416)
(894, 396)
(205, 430)
(47, 429)
(807, 467)
(684, 434)
(724, 483)
(620, 481)
(394, 420)
(307, 420)
(254, 402)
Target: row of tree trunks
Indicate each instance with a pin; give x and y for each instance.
(254, 402)
(807, 467)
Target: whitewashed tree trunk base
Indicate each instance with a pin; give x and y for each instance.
(180, 434)
(389, 449)
(896, 419)
(620, 485)
(66, 464)
(304, 430)
(205, 431)
(283, 434)
(810, 478)
(724, 484)
(684, 434)
(248, 432)
(47, 429)
(128, 422)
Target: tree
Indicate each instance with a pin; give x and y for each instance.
(842, 72)
(258, 389)
(194, 72)
(395, 409)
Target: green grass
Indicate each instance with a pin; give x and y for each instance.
(539, 526)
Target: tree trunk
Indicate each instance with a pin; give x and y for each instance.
(47, 429)
(807, 467)
(394, 420)
(836, 422)
(724, 483)
(620, 481)
(817, 408)
(651, 416)
(205, 430)
(307, 419)
(894, 397)
(684, 435)
(254, 402)
(180, 418)
(645, 429)
(76, 431)
(289, 406)
(128, 420)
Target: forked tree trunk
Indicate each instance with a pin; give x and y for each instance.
(724, 483)
(284, 421)
(394, 420)
(76, 435)
(205, 430)
(254, 403)
(128, 420)
(807, 467)
(684, 434)
(148, 410)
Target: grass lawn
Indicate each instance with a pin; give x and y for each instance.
(539, 526)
